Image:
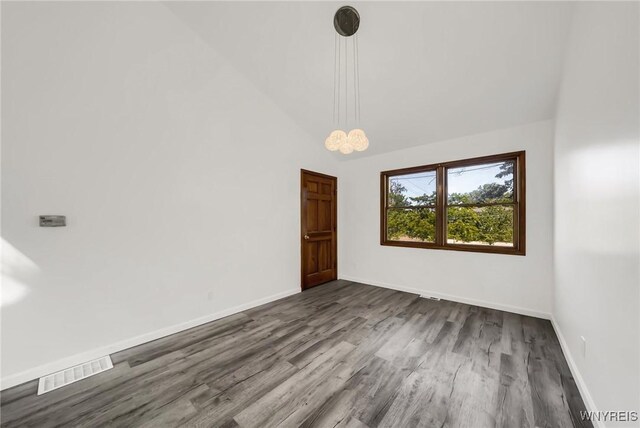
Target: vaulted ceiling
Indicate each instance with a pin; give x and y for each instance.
(429, 71)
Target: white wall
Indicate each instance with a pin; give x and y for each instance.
(179, 180)
(597, 204)
(522, 284)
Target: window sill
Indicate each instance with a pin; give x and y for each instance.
(457, 247)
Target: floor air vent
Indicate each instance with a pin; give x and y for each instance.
(73, 374)
(437, 299)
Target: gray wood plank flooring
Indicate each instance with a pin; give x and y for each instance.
(339, 355)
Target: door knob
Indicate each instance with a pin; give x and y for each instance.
(306, 236)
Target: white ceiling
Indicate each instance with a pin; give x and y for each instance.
(429, 71)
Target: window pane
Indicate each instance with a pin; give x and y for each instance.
(480, 184)
(411, 224)
(412, 189)
(480, 225)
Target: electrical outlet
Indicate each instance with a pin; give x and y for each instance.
(584, 346)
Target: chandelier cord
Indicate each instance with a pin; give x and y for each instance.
(335, 63)
(337, 75)
(346, 85)
(357, 74)
(355, 89)
(337, 80)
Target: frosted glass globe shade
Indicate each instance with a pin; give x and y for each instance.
(335, 140)
(346, 147)
(358, 140)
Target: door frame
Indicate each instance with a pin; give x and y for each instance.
(303, 221)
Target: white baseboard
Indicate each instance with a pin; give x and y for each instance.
(469, 301)
(45, 369)
(582, 386)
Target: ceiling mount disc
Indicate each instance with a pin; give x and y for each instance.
(346, 21)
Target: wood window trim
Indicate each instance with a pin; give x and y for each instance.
(519, 223)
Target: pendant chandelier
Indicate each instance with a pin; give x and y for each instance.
(346, 22)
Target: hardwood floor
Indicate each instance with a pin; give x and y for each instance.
(338, 355)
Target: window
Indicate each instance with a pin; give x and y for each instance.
(468, 205)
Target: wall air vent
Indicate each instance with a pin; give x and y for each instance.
(73, 374)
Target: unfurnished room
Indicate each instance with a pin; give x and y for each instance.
(320, 214)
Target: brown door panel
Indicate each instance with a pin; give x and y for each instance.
(318, 228)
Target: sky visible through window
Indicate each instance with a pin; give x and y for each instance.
(422, 183)
(461, 180)
(467, 179)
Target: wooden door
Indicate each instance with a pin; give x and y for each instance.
(318, 234)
